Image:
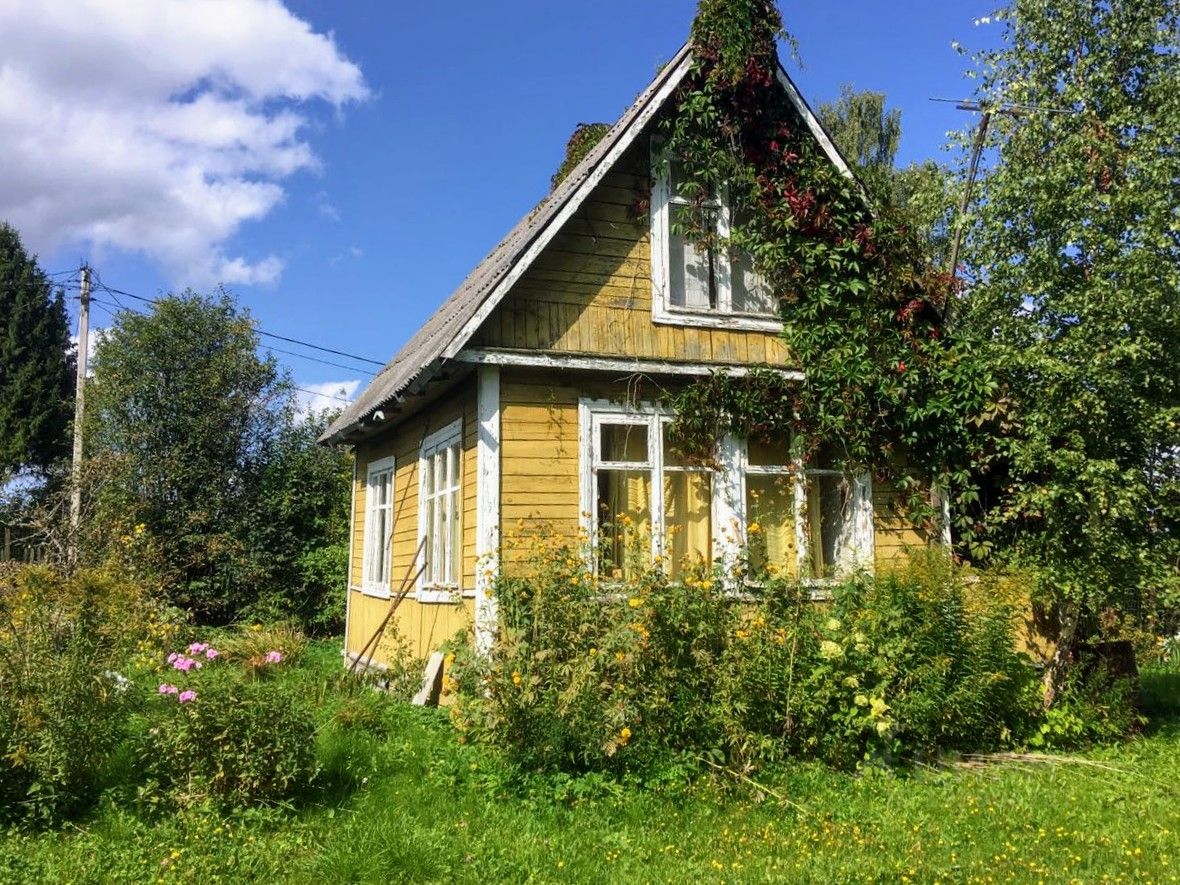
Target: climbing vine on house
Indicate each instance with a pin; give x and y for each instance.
(861, 303)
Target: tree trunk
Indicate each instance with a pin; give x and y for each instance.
(1054, 676)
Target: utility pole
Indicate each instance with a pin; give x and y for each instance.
(79, 410)
(1012, 110)
(957, 243)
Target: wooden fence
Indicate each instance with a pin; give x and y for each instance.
(17, 546)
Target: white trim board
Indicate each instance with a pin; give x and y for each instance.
(622, 365)
(487, 509)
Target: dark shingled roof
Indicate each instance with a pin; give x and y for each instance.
(421, 355)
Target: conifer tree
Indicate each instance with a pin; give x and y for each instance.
(36, 368)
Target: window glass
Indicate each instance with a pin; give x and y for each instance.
(623, 511)
(761, 453)
(688, 496)
(770, 522)
(441, 509)
(750, 292)
(692, 272)
(624, 443)
(378, 528)
(827, 518)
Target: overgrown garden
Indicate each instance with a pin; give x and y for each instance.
(171, 695)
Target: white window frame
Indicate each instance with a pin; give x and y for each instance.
(728, 522)
(721, 317)
(373, 546)
(858, 548)
(592, 415)
(447, 437)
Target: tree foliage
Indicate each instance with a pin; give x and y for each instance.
(1074, 255)
(868, 134)
(204, 475)
(36, 369)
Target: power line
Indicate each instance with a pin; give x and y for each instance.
(107, 305)
(351, 356)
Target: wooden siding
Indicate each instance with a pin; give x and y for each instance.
(589, 292)
(894, 535)
(538, 461)
(418, 622)
(421, 626)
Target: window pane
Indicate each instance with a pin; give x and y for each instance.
(760, 453)
(453, 464)
(770, 522)
(624, 442)
(691, 280)
(687, 518)
(683, 188)
(455, 560)
(827, 511)
(672, 458)
(623, 509)
(428, 547)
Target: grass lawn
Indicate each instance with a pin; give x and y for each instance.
(402, 802)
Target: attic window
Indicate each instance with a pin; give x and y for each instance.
(695, 284)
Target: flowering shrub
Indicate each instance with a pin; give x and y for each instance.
(66, 648)
(226, 727)
(619, 675)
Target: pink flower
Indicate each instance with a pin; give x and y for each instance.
(197, 647)
(172, 657)
(186, 696)
(166, 688)
(183, 664)
(212, 653)
(274, 657)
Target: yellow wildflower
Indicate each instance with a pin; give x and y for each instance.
(624, 735)
(634, 602)
(754, 528)
(516, 677)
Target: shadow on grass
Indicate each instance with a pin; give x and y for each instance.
(1160, 696)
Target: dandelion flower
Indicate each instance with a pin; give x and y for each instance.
(624, 735)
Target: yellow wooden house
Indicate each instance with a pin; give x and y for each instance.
(531, 401)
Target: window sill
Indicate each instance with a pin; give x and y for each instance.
(714, 320)
(374, 592)
(438, 596)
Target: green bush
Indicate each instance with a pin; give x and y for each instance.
(66, 685)
(592, 675)
(228, 728)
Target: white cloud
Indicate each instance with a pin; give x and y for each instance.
(94, 337)
(328, 395)
(159, 126)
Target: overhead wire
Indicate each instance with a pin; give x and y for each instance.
(352, 356)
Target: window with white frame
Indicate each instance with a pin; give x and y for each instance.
(836, 516)
(770, 508)
(642, 499)
(693, 283)
(378, 526)
(440, 510)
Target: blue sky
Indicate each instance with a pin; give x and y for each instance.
(460, 120)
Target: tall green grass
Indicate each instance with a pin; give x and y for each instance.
(398, 799)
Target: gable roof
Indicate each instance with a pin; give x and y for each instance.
(461, 315)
